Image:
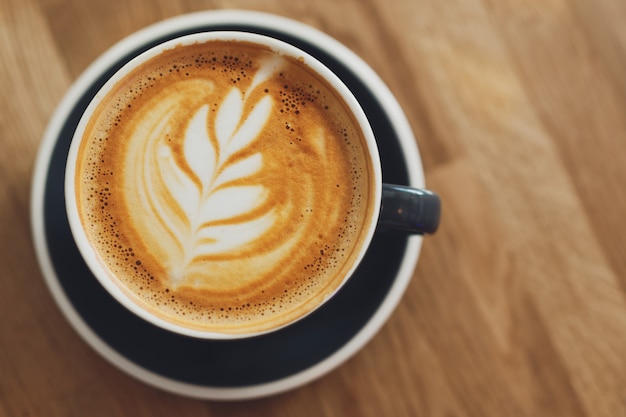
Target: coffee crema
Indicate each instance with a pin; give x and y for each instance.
(224, 187)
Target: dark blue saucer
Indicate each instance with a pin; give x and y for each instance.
(236, 363)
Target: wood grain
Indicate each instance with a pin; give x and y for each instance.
(517, 306)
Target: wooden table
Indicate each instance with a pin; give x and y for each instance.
(517, 306)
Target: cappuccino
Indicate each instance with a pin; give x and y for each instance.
(225, 187)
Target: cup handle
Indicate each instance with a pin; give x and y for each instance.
(411, 210)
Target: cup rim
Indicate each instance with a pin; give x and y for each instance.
(90, 254)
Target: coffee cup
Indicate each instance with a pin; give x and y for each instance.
(227, 184)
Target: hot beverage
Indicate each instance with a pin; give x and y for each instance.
(225, 187)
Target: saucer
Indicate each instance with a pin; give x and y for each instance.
(242, 368)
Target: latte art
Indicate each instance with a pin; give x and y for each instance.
(205, 199)
(224, 187)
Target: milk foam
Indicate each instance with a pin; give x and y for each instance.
(225, 188)
(204, 202)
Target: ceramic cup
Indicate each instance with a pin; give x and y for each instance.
(133, 209)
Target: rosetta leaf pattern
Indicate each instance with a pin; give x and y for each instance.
(220, 212)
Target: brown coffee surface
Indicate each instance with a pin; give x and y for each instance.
(223, 187)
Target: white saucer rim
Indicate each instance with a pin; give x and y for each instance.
(202, 19)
